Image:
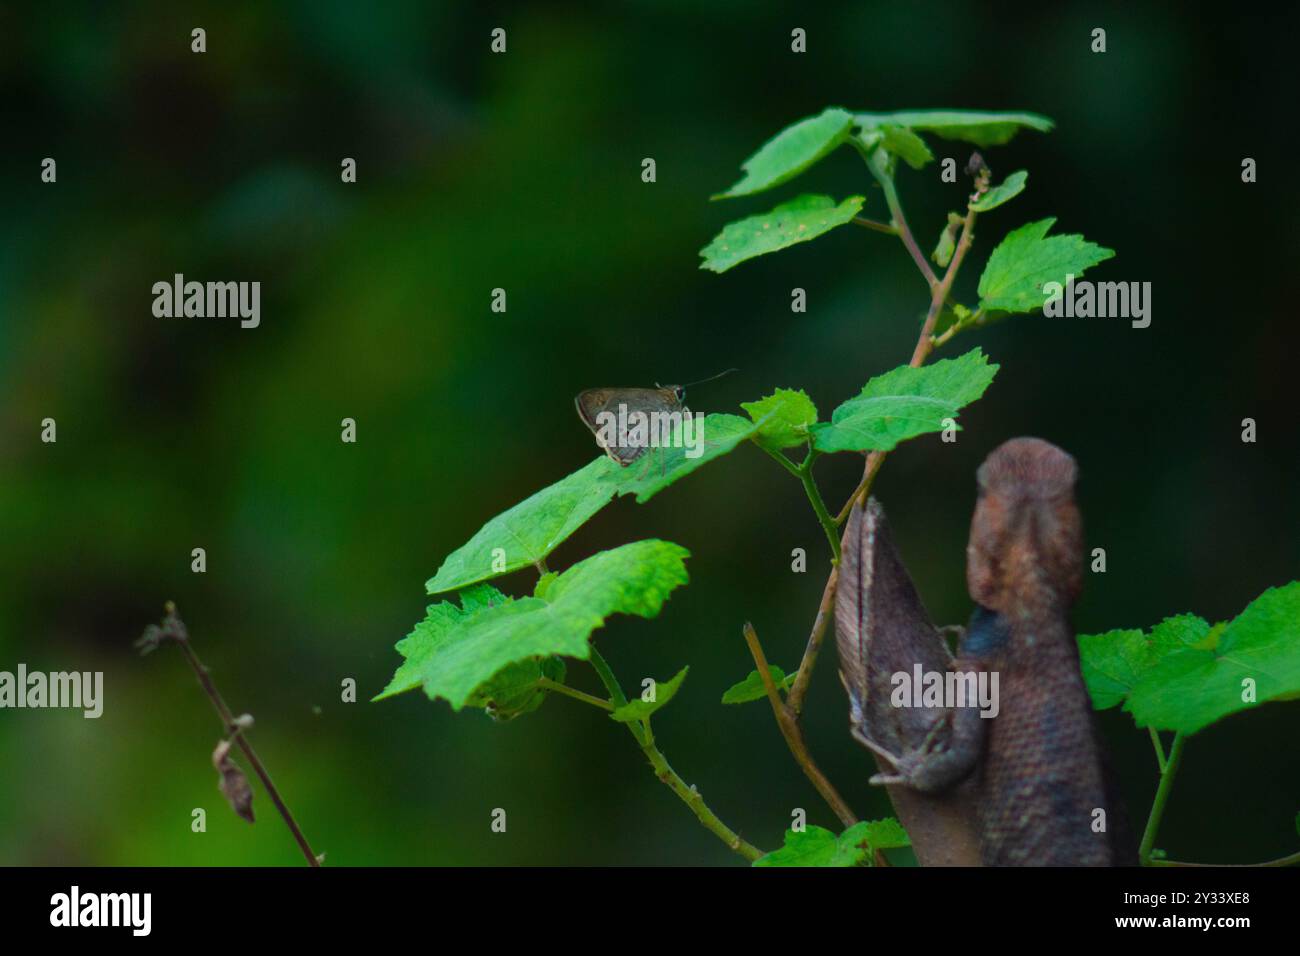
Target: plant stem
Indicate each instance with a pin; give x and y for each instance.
(1159, 748)
(573, 692)
(940, 289)
(607, 678)
(781, 460)
(877, 226)
(790, 729)
(805, 474)
(692, 798)
(975, 319)
(667, 775)
(799, 689)
(1167, 774)
(175, 628)
(875, 163)
(925, 343)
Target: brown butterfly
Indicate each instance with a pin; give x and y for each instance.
(599, 408)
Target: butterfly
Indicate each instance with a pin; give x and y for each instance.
(601, 410)
(627, 421)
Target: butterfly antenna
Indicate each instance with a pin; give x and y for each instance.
(711, 378)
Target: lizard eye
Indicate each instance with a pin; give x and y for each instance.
(680, 392)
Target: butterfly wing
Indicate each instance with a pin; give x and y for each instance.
(599, 409)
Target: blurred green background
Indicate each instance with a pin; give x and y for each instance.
(522, 171)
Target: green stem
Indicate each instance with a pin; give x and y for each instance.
(819, 506)
(607, 677)
(877, 226)
(1167, 774)
(688, 794)
(804, 473)
(780, 459)
(1159, 748)
(875, 161)
(692, 798)
(576, 694)
(976, 318)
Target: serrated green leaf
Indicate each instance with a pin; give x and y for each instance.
(799, 220)
(531, 529)
(751, 688)
(906, 145)
(791, 151)
(968, 126)
(884, 834)
(1027, 259)
(513, 691)
(1186, 674)
(1182, 631)
(904, 403)
(455, 651)
(537, 525)
(639, 709)
(429, 635)
(1112, 664)
(782, 418)
(1009, 188)
(817, 846)
(659, 467)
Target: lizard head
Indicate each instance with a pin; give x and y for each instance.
(1026, 534)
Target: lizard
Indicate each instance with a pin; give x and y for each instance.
(1037, 770)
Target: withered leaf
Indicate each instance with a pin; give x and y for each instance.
(232, 782)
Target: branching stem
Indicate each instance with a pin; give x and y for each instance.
(1167, 773)
(173, 628)
(789, 724)
(644, 737)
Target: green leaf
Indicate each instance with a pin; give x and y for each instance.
(513, 691)
(1009, 188)
(531, 529)
(1026, 260)
(905, 144)
(751, 688)
(455, 651)
(905, 403)
(1185, 674)
(659, 467)
(440, 620)
(1112, 664)
(884, 834)
(791, 151)
(970, 126)
(782, 418)
(803, 218)
(1193, 686)
(817, 846)
(639, 709)
(537, 525)
(947, 244)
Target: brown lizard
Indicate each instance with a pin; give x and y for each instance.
(1036, 769)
